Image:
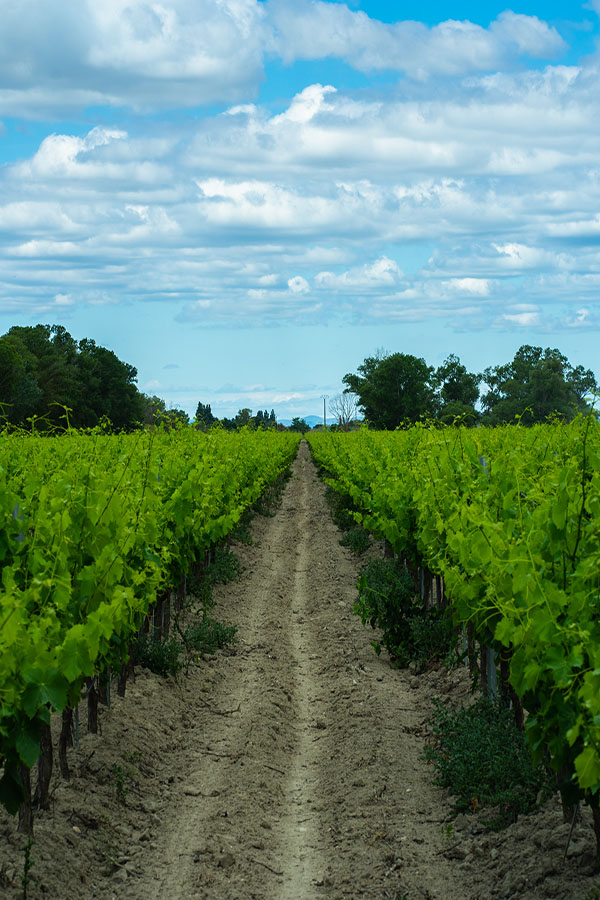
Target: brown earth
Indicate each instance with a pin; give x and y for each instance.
(288, 768)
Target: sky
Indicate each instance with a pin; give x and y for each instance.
(246, 198)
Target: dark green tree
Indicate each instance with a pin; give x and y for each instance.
(457, 391)
(243, 417)
(300, 425)
(393, 389)
(264, 419)
(536, 384)
(49, 379)
(204, 415)
(109, 388)
(45, 372)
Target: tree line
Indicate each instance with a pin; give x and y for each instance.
(398, 388)
(47, 375)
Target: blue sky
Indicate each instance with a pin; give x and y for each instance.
(244, 198)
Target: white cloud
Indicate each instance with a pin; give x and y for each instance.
(298, 285)
(522, 319)
(478, 287)
(445, 200)
(306, 105)
(382, 272)
(129, 52)
(77, 54)
(316, 30)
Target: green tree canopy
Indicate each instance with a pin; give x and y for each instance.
(536, 384)
(44, 369)
(204, 415)
(300, 425)
(393, 389)
(457, 392)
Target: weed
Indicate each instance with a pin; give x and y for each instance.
(356, 539)
(123, 779)
(340, 508)
(207, 635)
(268, 502)
(432, 638)
(161, 657)
(27, 867)
(482, 758)
(241, 532)
(225, 568)
(386, 600)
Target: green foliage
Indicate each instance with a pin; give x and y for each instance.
(393, 390)
(208, 635)
(269, 501)
(457, 392)
(92, 527)
(44, 372)
(161, 657)
(241, 532)
(509, 518)
(156, 413)
(356, 539)
(204, 415)
(27, 867)
(225, 567)
(340, 508)
(481, 757)
(123, 778)
(432, 638)
(299, 425)
(534, 386)
(386, 600)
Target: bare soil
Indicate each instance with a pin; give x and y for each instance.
(287, 768)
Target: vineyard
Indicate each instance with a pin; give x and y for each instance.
(508, 517)
(98, 531)
(292, 767)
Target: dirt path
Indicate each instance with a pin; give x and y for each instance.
(300, 760)
(289, 768)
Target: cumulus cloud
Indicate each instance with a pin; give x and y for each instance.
(129, 52)
(57, 58)
(298, 285)
(315, 30)
(405, 203)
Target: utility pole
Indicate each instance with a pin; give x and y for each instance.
(324, 397)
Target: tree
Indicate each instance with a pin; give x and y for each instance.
(43, 369)
(243, 417)
(535, 385)
(457, 392)
(299, 425)
(344, 408)
(204, 415)
(108, 388)
(393, 389)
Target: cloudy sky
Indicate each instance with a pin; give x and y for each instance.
(244, 198)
